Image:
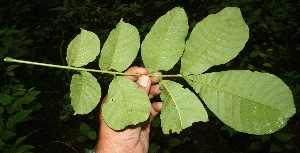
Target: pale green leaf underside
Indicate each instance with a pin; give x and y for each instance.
(84, 48)
(250, 102)
(215, 40)
(181, 108)
(120, 48)
(164, 44)
(126, 104)
(85, 92)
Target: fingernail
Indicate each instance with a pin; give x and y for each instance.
(143, 81)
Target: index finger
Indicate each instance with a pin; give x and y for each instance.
(155, 80)
(137, 70)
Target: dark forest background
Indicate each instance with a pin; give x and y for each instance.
(35, 110)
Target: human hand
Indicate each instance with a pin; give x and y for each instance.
(135, 138)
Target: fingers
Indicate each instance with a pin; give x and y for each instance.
(154, 90)
(138, 70)
(156, 108)
(155, 80)
(148, 84)
(143, 71)
(144, 82)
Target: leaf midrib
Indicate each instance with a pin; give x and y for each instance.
(109, 65)
(237, 95)
(123, 96)
(156, 64)
(181, 124)
(112, 61)
(206, 49)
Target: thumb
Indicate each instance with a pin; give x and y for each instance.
(144, 82)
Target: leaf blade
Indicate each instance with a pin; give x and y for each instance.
(5, 99)
(164, 44)
(121, 109)
(17, 118)
(84, 48)
(181, 108)
(215, 40)
(85, 92)
(120, 48)
(250, 102)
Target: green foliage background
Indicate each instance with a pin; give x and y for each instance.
(40, 31)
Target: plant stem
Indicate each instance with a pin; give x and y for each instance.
(8, 59)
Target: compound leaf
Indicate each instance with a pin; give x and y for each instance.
(120, 48)
(85, 92)
(84, 48)
(164, 44)
(250, 102)
(181, 107)
(126, 104)
(215, 40)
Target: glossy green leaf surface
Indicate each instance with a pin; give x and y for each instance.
(84, 48)
(250, 102)
(126, 104)
(181, 107)
(215, 40)
(164, 44)
(120, 48)
(85, 92)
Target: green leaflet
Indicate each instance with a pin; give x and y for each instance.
(20, 140)
(181, 108)
(17, 118)
(214, 41)
(250, 102)
(120, 48)
(164, 44)
(85, 92)
(5, 99)
(84, 48)
(126, 104)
